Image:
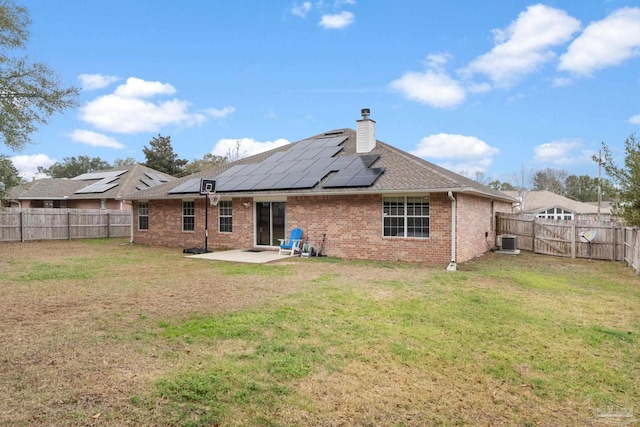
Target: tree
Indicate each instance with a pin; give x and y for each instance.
(550, 180)
(129, 161)
(29, 91)
(584, 188)
(160, 156)
(72, 167)
(8, 177)
(627, 179)
(501, 186)
(208, 161)
(235, 151)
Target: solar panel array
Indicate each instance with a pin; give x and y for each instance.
(151, 180)
(91, 176)
(189, 186)
(105, 182)
(303, 166)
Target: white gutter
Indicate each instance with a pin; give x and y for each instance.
(452, 264)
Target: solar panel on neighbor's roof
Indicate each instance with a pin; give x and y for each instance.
(105, 182)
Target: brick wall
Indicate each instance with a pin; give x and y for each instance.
(475, 225)
(165, 225)
(352, 226)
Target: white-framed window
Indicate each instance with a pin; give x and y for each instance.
(556, 213)
(188, 215)
(143, 216)
(405, 216)
(225, 216)
(103, 204)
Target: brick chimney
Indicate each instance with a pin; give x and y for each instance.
(365, 133)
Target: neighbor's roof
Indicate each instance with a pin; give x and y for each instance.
(403, 173)
(538, 201)
(112, 183)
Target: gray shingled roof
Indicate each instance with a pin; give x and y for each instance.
(404, 173)
(62, 188)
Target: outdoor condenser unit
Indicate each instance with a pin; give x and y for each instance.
(508, 243)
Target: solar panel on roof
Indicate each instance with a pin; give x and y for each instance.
(303, 165)
(98, 187)
(157, 177)
(90, 176)
(361, 178)
(190, 186)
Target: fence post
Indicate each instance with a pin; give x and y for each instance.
(533, 235)
(573, 240)
(21, 225)
(108, 225)
(68, 225)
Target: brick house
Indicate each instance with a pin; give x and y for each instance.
(365, 198)
(103, 189)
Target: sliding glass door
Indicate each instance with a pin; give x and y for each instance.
(270, 223)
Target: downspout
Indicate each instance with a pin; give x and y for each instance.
(132, 219)
(452, 264)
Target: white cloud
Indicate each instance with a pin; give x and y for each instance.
(138, 88)
(604, 43)
(128, 109)
(337, 21)
(130, 115)
(27, 164)
(478, 87)
(446, 146)
(437, 61)
(561, 82)
(635, 120)
(96, 81)
(220, 113)
(247, 146)
(560, 152)
(460, 153)
(94, 139)
(524, 45)
(467, 168)
(434, 88)
(302, 9)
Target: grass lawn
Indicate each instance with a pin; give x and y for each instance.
(103, 333)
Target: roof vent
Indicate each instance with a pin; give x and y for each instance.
(365, 133)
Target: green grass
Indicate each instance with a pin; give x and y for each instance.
(496, 329)
(74, 270)
(525, 340)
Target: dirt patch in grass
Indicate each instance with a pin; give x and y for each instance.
(85, 339)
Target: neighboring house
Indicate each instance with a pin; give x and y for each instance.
(354, 196)
(103, 189)
(548, 205)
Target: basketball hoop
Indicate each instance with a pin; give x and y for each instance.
(214, 198)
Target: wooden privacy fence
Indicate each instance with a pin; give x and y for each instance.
(53, 224)
(613, 241)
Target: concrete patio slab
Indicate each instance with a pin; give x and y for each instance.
(238, 255)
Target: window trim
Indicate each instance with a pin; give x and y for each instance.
(228, 215)
(556, 213)
(406, 216)
(140, 215)
(192, 215)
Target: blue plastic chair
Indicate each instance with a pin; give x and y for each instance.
(291, 245)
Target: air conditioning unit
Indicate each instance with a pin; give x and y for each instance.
(507, 242)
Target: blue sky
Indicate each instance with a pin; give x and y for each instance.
(471, 85)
